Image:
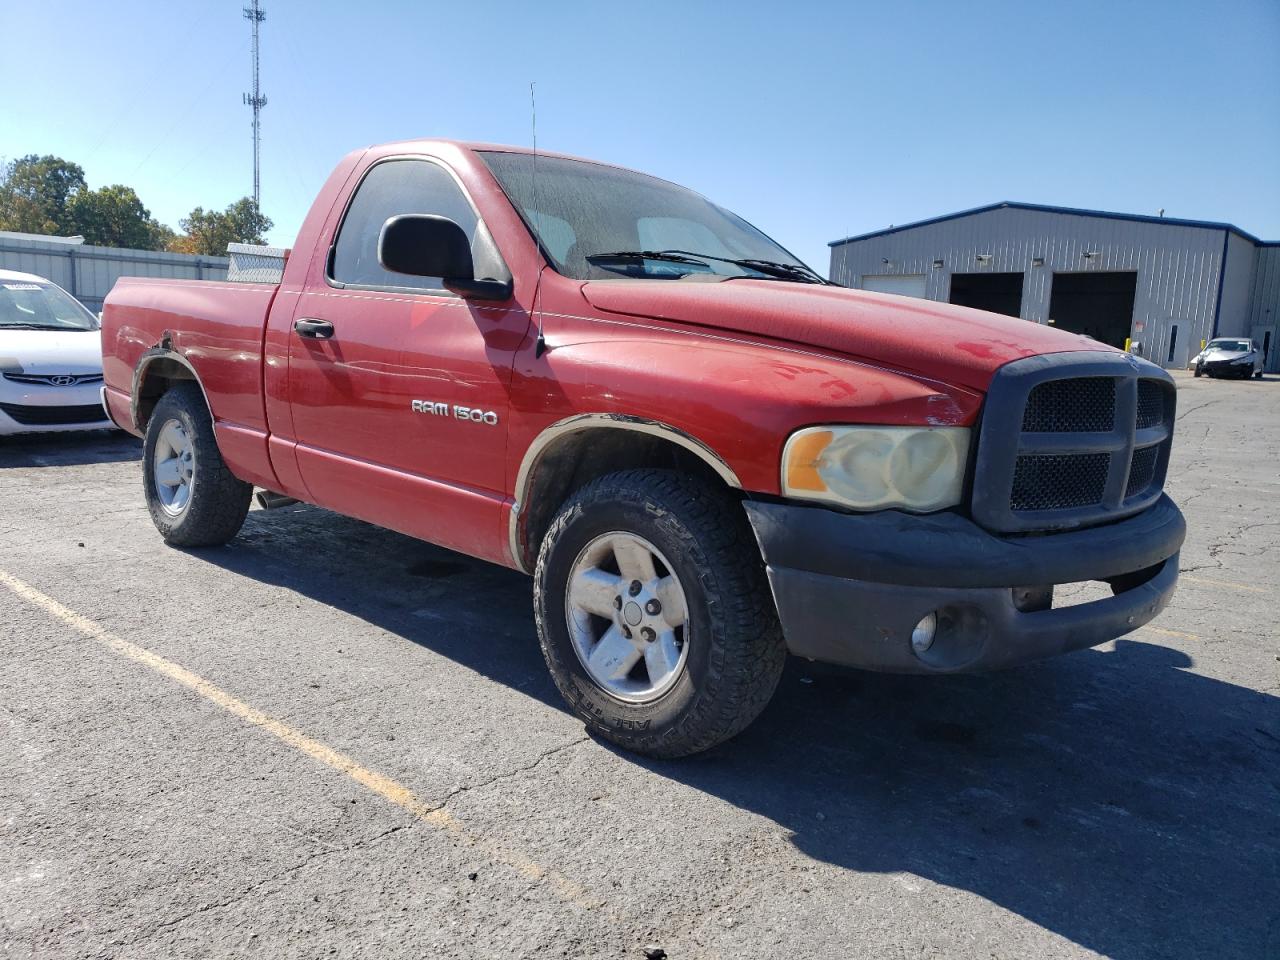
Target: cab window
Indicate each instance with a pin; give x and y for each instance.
(389, 189)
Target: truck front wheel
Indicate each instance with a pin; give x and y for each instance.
(194, 500)
(655, 614)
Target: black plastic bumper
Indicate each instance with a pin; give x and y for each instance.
(1228, 368)
(850, 588)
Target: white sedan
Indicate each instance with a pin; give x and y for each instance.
(50, 359)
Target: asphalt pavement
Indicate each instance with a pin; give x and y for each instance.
(326, 739)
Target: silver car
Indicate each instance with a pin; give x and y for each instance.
(1229, 357)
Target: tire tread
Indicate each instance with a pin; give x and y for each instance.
(220, 499)
(746, 661)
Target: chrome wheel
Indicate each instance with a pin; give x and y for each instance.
(173, 467)
(627, 617)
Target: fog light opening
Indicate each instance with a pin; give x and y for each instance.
(923, 633)
(951, 637)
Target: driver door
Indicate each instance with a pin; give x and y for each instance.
(399, 388)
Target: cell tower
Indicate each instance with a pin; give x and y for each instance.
(255, 15)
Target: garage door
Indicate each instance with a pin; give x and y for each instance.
(904, 285)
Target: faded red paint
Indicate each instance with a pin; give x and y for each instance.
(736, 365)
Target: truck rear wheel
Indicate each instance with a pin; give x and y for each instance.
(194, 500)
(655, 615)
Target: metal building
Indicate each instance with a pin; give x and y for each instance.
(1163, 284)
(87, 272)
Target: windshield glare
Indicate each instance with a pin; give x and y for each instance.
(26, 303)
(1233, 346)
(579, 209)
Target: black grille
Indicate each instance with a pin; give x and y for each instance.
(1142, 470)
(1059, 481)
(1075, 405)
(54, 416)
(1069, 440)
(1151, 404)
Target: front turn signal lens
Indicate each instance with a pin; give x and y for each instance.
(806, 455)
(875, 468)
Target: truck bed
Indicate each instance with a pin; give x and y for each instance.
(218, 326)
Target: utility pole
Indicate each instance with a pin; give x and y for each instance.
(255, 15)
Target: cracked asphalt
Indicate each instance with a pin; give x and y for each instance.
(1123, 801)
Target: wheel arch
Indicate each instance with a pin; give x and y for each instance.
(157, 371)
(578, 449)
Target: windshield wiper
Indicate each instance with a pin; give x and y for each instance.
(787, 270)
(36, 326)
(773, 268)
(671, 256)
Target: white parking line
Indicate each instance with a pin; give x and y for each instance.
(385, 787)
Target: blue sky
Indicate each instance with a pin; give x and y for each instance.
(812, 120)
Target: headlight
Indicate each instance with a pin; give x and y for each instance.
(872, 468)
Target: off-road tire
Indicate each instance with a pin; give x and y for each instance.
(219, 500)
(735, 647)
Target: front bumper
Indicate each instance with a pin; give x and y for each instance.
(850, 588)
(1227, 368)
(41, 409)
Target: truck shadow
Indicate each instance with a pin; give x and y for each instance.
(1114, 798)
(69, 449)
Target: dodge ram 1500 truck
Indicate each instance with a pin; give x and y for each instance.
(704, 453)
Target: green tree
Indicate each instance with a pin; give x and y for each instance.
(113, 217)
(209, 231)
(35, 191)
(162, 237)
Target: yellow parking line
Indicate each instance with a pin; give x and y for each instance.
(384, 787)
(1223, 583)
(1171, 633)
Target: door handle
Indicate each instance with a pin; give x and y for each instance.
(313, 329)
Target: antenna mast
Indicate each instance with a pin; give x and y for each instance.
(255, 15)
(540, 346)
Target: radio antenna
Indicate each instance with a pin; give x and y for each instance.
(540, 347)
(844, 260)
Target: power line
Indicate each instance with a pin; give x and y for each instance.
(161, 69)
(255, 15)
(192, 104)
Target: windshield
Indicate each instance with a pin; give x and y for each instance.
(599, 222)
(1232, 346)
(29, 305)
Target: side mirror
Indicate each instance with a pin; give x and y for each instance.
(423, 245)
(426, 245)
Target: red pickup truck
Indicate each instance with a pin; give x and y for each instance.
(705, 454)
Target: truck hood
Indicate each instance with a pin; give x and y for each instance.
(50, 351)
(940, 341)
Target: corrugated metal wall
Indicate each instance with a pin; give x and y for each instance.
(1178, 266)
(88, 272)
(1237, 287)
(1264, 308)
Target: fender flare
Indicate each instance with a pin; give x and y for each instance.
(593, 421)
(161, 352)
